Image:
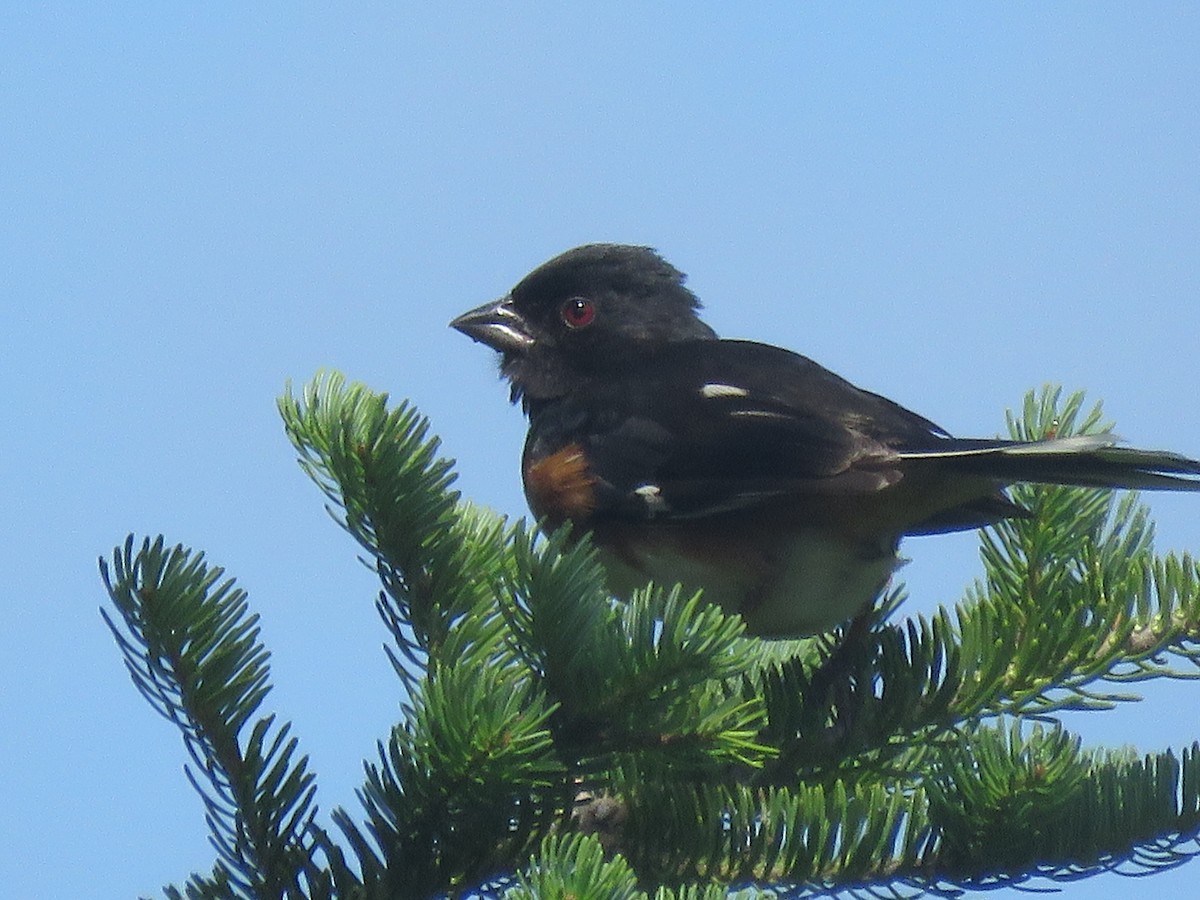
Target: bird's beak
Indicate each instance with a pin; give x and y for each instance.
(496, 324)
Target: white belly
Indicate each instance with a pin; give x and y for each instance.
(805, 583)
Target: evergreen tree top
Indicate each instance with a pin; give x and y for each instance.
(556, 742)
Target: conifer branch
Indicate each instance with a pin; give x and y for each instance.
(555, 739)
(193, 652)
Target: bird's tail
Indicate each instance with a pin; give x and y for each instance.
(1084, 460)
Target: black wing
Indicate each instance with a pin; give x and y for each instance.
(708, 426)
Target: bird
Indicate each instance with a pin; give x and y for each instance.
(740, 469)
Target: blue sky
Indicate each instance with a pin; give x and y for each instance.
(949, 204)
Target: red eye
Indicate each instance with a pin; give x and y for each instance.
(578, 312)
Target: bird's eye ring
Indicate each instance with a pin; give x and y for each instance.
(578, 312)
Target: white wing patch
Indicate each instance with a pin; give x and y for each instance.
(651, 495)
(760, 414)
(714, 390)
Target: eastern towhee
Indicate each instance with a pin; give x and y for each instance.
(740, 468)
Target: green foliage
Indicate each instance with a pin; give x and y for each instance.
(557, 743)
(656, 676)
(575, 866)
(194, 654)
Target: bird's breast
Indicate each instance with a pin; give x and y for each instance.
(784, 582)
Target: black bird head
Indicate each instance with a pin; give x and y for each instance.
(580, 312)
